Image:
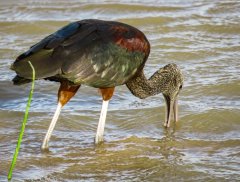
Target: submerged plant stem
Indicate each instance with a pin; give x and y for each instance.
(23, 125)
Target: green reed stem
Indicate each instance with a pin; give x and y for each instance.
(23, 125)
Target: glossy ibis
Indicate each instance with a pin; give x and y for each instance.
(101, 54)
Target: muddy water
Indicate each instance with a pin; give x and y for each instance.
(202, 37)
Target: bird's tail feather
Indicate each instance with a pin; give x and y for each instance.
(17, 80)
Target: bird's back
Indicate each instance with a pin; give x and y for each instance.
(93, 52)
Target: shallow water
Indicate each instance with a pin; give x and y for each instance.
(202, 37)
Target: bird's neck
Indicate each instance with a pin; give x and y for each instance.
(142, 87)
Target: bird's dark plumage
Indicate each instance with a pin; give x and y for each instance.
(93, 52)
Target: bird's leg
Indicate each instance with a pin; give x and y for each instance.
(65, 93)
(51, 127)
(106, 95)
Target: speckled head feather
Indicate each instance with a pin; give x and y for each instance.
(167, 80)
(173, 80)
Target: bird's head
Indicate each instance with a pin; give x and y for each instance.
(170, 88)
(167, 80)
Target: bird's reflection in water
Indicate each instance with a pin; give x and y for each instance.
(169, 148)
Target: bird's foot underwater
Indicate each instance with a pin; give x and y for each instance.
(45, 148)
(98, 140)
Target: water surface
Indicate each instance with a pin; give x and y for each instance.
(202, 37)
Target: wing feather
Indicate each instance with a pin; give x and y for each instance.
(93, 52)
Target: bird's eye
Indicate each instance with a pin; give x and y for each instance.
(180, 87)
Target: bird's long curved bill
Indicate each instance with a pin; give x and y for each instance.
(171, 107)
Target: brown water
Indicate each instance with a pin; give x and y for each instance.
(202, 37)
